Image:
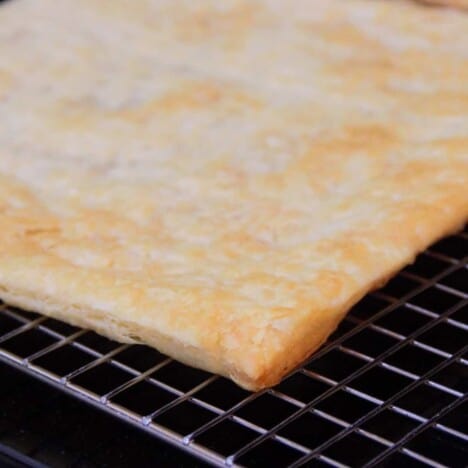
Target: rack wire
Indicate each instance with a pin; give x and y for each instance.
(388, 388)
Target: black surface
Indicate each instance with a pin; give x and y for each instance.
(270, 453)
(227, 437)
(310, 430)
(143, 398)
(222, 393)
(266, 411)
(180, 377)
(354, 450)
(185, 418)
(413, 359)
(303, 388)
(345, 406)
(390, 425)
(63, 360)
(140, 358)
(102, 378)
(28, 343)
(10, 458)
(442, 447)
(336, 365)
(40, 425)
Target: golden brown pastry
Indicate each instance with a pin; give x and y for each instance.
(461, 4)
(224, 180)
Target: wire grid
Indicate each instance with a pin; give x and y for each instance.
(389, 386)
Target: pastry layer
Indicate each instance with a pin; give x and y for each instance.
(461, 4)
(223, 181)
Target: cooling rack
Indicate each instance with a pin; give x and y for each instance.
(388, 388)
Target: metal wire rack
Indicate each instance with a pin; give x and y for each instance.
(389, 387)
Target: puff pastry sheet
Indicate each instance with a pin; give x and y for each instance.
(224, 180)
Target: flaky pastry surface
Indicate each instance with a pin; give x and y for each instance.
(223, 180)
(461, 4)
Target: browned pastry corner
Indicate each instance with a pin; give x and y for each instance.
(224, 180)
(461, 4)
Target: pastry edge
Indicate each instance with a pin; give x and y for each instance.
(270, 373)
(460, 4)
(133, 333)
(254, 370)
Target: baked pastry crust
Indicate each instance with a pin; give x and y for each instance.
(223, 181)
(461, 4)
